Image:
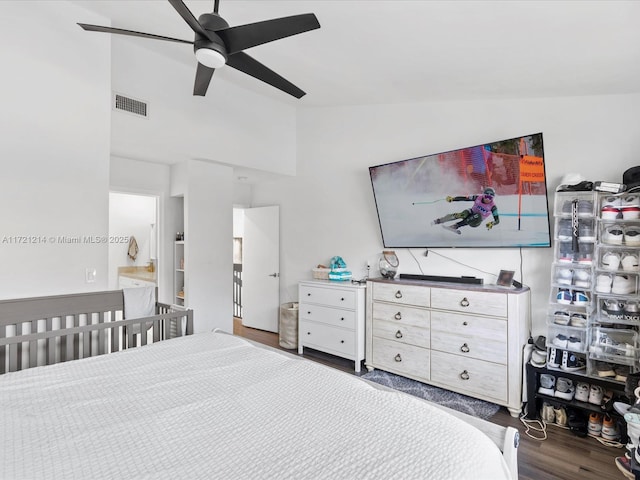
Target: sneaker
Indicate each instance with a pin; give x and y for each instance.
(564, 276)
(631, 311)
(564, 296)
(610, 261)
(630, 262)
(623, 284)
(631, 212)
(561, 317)
(610, 213)
(585, 253)
(577, 422)
(538, 358)
(561, 416)
(560, 341)
(621, 408)
(613, 235)
(629, 200)
(605, 369)
(564, 389)
(578, 320)
(574, 344)
(572, 362)
(632, 235)
(603, 283)
(624, 465)
(568, 207)
(554, 357)
(613, 309)
(547, 413)
(582, 278)
(586, 232)
(585, 208)
(595, 395)
(582, 392)
(612, 201)
(566, 253)
(547, 384)
(595, 424)
(622, 372)
(610, 430)
(564, 230)
(580, 298)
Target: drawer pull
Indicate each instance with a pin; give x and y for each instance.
(465, 323)
(342, 319)
(308, 333)
(398, 294)
(341, 341)
(398, 358)
(464, 348)
(308, 313)
(398, 334)
(398, 316)
(342, 299)
(308, 294)
(464, 375)
(464, 302)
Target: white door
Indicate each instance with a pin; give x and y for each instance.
(261, 268)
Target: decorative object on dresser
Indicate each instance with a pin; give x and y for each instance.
(331, 318)
(464, 338)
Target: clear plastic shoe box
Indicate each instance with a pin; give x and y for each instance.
(613, 345)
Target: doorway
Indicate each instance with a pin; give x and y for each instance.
(133, 229)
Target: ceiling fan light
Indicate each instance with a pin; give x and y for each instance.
(210, 58)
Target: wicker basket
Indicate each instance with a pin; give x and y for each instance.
(321, 273)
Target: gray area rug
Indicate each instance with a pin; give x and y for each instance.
(455, 401)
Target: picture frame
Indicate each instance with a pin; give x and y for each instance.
(505, 278)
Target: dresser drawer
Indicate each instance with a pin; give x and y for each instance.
(401, 314)
(336, 340)
(470, 326)
(469, 346)
(401, 358)
(401, 333)
(333, 297)
(476, 378)
(468, 301)
(404, 294)
(328, 315)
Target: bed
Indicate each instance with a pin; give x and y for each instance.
(213, 405)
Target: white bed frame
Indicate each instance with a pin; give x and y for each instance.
(47, 330)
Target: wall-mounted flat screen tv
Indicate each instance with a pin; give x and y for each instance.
(489, 195)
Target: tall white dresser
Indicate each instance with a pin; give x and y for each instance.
(460, 337)
(331, 318)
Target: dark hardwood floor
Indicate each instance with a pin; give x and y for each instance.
(561, 456)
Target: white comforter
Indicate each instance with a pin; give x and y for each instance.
(214, 406)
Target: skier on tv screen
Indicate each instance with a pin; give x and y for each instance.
(483, 206)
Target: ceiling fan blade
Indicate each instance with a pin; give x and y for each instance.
(246, 64)
(247, 36)
(119, 31)
(203, 78)
(188, 17)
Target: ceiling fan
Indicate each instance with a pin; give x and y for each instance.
(217, 44)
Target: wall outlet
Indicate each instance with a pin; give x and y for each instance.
(90, 274)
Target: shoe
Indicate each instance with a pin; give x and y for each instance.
(610, 430)
(554, 358)
(624, 465)
(632, 235)
(582, 278)
(605, 369)
(603, 283)
(607, 401)
(613, 235)
(561, 416)
(572, 362)
(547, 384)
(564, 230)
(578, 320)
(564, 389)
(564, 276)
(622, 372)
(561, 317)
(630, 262)
(610, 213)
(631, 212)
(621, 408)
(547, 414)
(566, 254)
(595, 395)
(538, 358)
(452, 228)
(564, 296)
(631, 312)
(586, 232)
(577, 422)
(580, 298)
(610, 207)
(582, 392)
(613, 309)
(574, 344)
(585, 208)
(568, 206)
(624, 285)
(560, 341)
(595, 424)
(610, 261)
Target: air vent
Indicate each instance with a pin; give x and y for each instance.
(130, 105)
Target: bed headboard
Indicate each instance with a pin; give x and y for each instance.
(47, 330)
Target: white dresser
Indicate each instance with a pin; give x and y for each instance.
(464, 338)
(331, 318)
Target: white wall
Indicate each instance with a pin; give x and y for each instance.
(55, 149)
(328, 209)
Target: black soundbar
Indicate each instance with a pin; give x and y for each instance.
(440, 278)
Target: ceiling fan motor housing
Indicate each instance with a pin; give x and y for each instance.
(211, 22)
